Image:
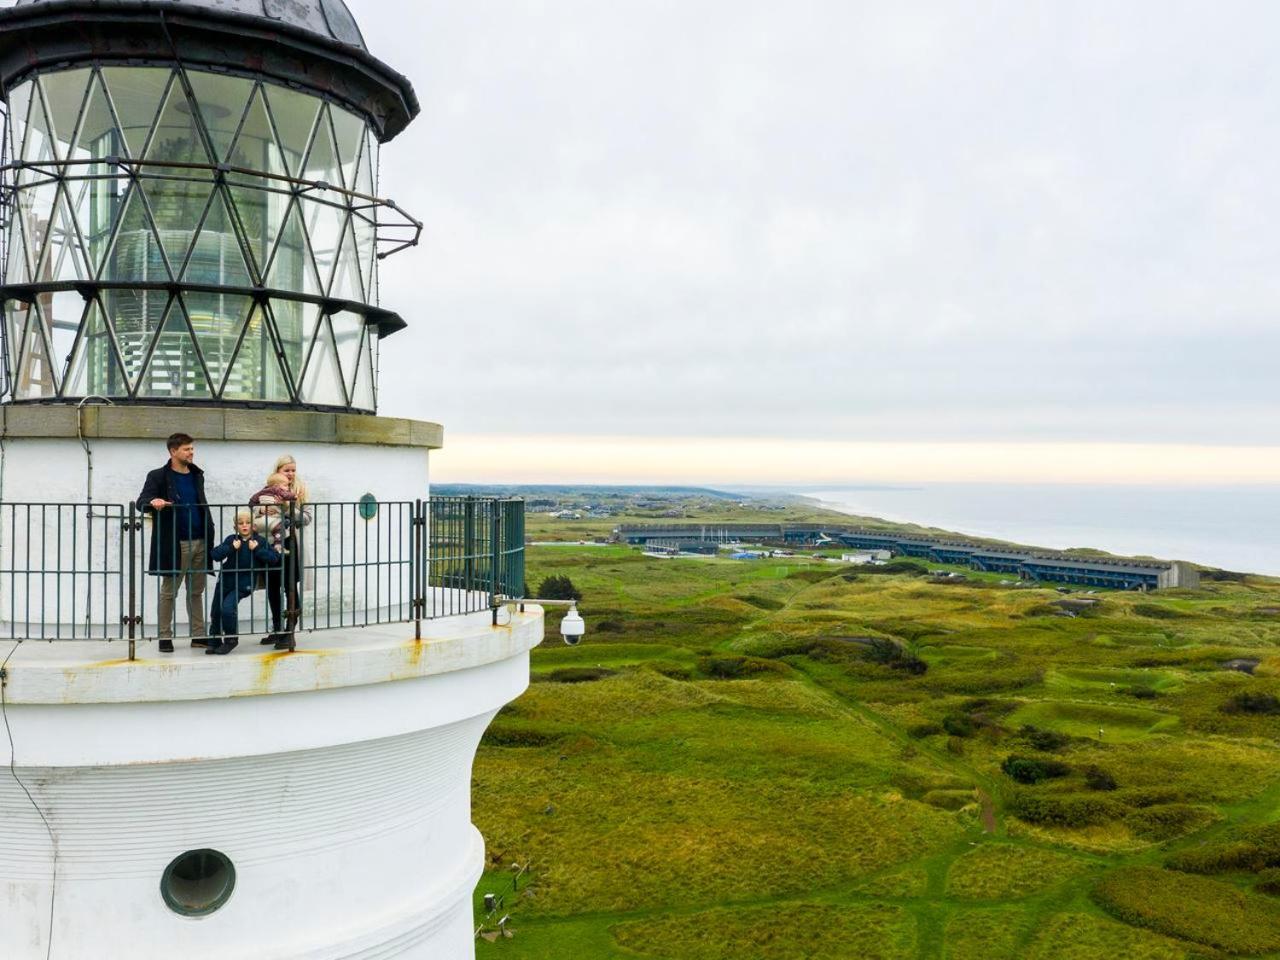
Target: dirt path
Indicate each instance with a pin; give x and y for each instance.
(988, 811)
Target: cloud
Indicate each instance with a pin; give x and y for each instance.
(1009, 222)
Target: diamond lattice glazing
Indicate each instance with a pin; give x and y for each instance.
(184, 234)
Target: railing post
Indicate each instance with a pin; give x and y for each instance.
(517, 541)
(418, 565)
(495, 557)
(468, 546)
(133, 579)
(293, 576)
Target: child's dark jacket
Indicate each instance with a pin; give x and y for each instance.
(240, 567)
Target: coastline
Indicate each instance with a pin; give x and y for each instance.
(1222, 527)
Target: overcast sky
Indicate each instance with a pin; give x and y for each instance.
(910, 222)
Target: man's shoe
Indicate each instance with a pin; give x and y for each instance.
(212, 648)
(199, 641)
(166, 646)
(286, 642)
(268, 641)
(225, 647)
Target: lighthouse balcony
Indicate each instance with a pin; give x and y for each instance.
(93, 573)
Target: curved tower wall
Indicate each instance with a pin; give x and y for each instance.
(336, 780)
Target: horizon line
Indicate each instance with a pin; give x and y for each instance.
(711, 461)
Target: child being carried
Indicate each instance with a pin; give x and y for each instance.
(243, 556)
(270, 507)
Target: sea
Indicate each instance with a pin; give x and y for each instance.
(1232, 527)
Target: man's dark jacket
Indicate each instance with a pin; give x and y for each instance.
(160, 485)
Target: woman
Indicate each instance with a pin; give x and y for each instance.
(283, 580)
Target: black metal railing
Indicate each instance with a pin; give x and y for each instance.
(76, 571)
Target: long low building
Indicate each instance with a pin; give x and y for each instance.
(1116, 572)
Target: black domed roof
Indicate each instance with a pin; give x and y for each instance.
(314, 44)
(328, 18)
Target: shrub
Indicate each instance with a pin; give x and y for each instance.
(1252, 702)
(971, 681)
(890, 653)
(1232, 576)
(948, 799)
(1030, 770)
(501, 735)
(574, 674)
(1193, 908)
(1065, 810)
(1151, 796)
(1047, 740)
(1219, 858)
(762, 603)
(881, 650)
(908, 567)
(1045, 610)
(910, 664)
(1164, 821)
(608, 626)
(809, 576)
(922, 730)
(983, 705)
(1252, 849)
(558, 588)
(729, 667)
(670, 669)
(1095, 778)
(958, 725)
(1142, 693)
(1269, 882)
(1157, 612)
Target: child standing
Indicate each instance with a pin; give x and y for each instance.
(277, 510)
(243, 557)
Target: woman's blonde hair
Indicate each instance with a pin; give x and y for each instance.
(299, 488)
(244, 513)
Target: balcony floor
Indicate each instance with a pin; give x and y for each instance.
(66, 671)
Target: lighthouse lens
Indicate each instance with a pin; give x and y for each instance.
(198, 882)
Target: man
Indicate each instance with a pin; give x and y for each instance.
(181, 533)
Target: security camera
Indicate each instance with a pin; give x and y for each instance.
(572, 628)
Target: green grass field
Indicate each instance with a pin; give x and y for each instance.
(723, 770)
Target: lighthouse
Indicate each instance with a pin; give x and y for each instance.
(193, 230)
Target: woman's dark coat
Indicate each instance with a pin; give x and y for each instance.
(159, 485)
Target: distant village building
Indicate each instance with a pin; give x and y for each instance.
(1120, 573)
(676, 547)
(861, 557)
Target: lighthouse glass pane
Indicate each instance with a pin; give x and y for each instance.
(255, 374)
(19, 107)
(136, 94)
(197, 268)
(135, 315)
(64, 95)
(174, 369)
(290, 318)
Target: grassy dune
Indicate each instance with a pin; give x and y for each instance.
(727, 768)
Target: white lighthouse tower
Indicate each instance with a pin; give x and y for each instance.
(193, 228)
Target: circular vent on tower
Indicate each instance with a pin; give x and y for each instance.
(198, 882)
